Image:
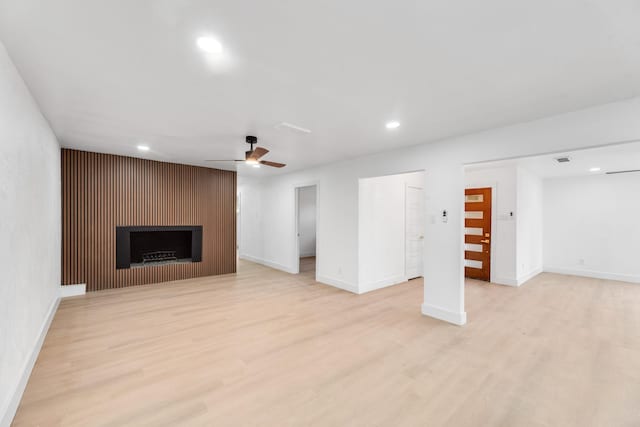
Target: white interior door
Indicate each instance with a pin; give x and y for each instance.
(414, 231)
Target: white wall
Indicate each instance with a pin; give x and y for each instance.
(503, 181)
(591, 226)
(307, 220)
(30, 221)
(529, 220)
(444, 184)
(516, 244)
(382, 229)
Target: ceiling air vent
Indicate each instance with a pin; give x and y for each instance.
(617, 172)
(564, 159)
(292, 127)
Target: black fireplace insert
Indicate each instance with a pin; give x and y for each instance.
(142, 246)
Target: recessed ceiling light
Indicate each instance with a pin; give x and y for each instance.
(143, 147)
(392, 125)
(594, 170)
(209, 45)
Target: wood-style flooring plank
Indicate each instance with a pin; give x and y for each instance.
(263, 347)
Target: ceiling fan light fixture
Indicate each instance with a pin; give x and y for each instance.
(253, 156)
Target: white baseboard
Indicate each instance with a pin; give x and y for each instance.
(526, 277)
(381, 284)
(443, 314)
(14, 401)
(630, 278)
(504, 281)
(72, 290)
(337, 283)
(268, 263)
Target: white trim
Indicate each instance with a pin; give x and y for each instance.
(337, 283)
(14, 400)
(504, 281)
(526, 277)
(72, 290)
(268, 263)
(630, 278)
(444, 314)
(368, 287)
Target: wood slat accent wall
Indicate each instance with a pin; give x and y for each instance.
(102, 191)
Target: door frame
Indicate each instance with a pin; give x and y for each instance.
(296, 255)
(494, 227)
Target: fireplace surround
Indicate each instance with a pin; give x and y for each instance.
(145, 246)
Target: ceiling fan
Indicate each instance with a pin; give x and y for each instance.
(253, 156)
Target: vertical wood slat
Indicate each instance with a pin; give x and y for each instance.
(103, 191)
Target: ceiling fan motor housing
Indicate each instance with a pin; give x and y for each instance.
(249, 139)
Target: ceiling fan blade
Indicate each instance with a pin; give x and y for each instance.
(257, 153)
(272, 164)
(227, 160)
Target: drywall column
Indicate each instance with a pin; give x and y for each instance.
(443, 247)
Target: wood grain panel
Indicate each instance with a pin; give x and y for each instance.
(103, 191)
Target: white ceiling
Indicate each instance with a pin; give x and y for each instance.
(612, 158)
(109, 75)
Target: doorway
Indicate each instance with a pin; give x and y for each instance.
(477, 233)
(307, 229)
(414, 231)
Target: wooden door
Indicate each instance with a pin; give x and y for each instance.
(477, 233)
(414, 232)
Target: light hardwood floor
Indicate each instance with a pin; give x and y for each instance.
(308, 266)
(265, 348)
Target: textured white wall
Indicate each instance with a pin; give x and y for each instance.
(30, 221)
(591, 226)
